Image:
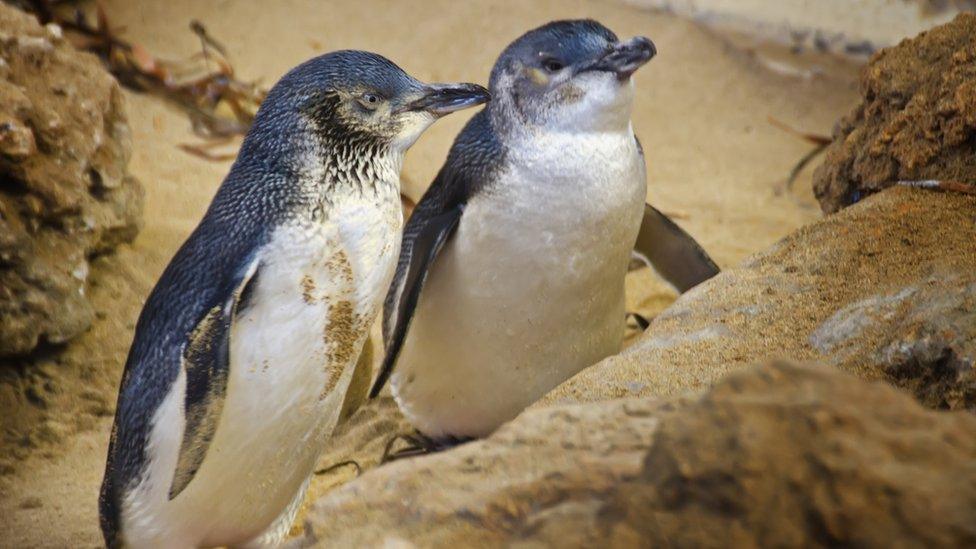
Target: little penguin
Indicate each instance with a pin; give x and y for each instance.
(245, 348)
(511, 271)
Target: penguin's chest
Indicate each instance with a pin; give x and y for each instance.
(293, 351)
(318, 290)
(560, 221)
(529, 291)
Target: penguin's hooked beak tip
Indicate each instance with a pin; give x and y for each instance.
(624, 58)
(442, 99)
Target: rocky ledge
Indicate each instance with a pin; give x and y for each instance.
(682, 441)
(780, 455)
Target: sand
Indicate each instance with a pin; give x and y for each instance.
(856, 28)
(701, 111)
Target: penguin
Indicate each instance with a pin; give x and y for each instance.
(511, 272)
(244, 350)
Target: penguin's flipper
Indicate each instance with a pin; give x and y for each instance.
(428, 243)
(672, 252)
(206, 361)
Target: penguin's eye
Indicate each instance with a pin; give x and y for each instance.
(370, 101)
(552, 64)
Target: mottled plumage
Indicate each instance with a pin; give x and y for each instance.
(245, 347)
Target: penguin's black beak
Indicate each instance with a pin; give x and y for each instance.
(441, 99)
(624, 58)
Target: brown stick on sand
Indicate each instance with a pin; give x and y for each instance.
(820, 143)
(813, 138)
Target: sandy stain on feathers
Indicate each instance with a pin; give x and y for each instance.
(308, 290)
(342, 327)
(569, 94)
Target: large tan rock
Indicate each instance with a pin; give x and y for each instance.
(885, 289)
(773, 456)
(64, 191)
(917, 118)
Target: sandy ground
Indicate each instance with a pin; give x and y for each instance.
(847, 27)
(715, 164)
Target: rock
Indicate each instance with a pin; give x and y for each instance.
(885, 289)
(64, 191)
(917, 118)
(780, 455)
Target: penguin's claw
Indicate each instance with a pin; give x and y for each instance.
(418, 444)
(334, 466)
(640, 320)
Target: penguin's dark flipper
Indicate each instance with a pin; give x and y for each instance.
(429, 242)
(672, 252)
(206, 361)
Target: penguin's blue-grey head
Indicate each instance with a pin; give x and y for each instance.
(351, 100)
(568, 75)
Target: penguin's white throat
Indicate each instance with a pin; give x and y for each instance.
(601, 103)
(589, 102)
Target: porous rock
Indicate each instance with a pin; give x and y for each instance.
(916, 119)
(65, 195)
(780, 455)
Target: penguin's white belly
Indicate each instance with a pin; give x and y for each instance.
(293, 351)
(529, 291)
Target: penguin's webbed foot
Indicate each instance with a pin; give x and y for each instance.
(418, 444)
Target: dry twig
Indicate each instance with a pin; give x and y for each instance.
(820, 143)
(204, 85)
(948, 185)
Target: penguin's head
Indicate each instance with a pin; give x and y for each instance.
(568, 76)
(354, 99)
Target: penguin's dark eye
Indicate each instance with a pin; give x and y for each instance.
(553, 65)
(369, 101)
